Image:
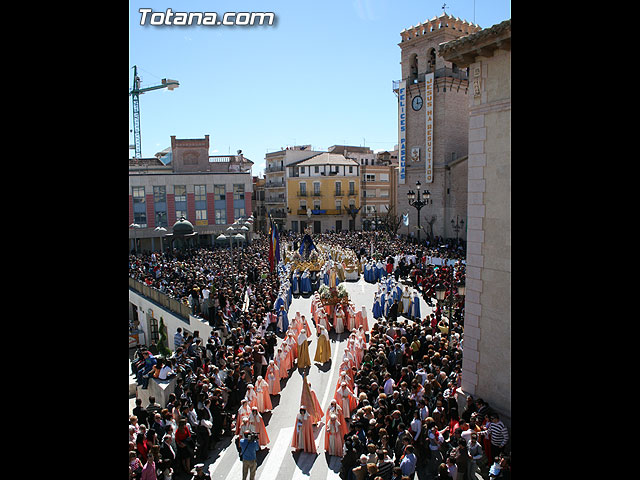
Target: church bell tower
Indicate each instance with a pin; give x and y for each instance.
(433, 121)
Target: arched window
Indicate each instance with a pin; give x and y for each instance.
(431, 65)
(413, 69)
(153, 327)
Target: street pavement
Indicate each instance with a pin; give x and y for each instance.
(277, 460)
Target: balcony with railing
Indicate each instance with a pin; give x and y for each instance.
(181, 308)
(278, 213)
(275, 199)
(335, 211)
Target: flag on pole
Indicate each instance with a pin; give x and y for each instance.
(405, 219)
(276, 244)
(271, 257)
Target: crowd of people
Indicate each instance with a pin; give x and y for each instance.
(405, 382)
(215, 282)
(407, 417)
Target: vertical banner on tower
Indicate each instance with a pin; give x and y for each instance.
(402, 130)
(428, 103)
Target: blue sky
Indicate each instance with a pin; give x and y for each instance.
(321, 75)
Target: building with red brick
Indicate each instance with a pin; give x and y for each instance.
(209, 191)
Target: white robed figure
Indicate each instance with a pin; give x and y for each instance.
(323, 319)
(406, 302)
(339, 323)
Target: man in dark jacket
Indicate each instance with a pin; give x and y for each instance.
(140, 412)
(349, 460)
(461, 457)
(393, 312)
(167, 454)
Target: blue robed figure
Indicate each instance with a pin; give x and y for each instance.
(380, 271)
(283, 320)
(295, 282)
(387, 305)
(415, 307)
(278, 303)
(389, 283)
(305, 282)
(368, 271)
(306, 245)
(377, 309)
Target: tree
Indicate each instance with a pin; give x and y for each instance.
(162, 342)
(392, 221)
(430, 223)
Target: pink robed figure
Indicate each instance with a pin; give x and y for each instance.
(273, 378)
(333, 442)
(303, 432)
(346, 399)
(256, 425)
(335, 409)
(262, 392)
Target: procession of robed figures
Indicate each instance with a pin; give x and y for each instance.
(331, 309)
(294, 353)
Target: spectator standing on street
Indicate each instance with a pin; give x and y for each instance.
(178, 339)
(461, 458)
(248, 450)
(452, 469)
(408, 463)
(149, 469)
(184, 443)
(152, 408)
(140, 412)
(476, 456)
(498, 434)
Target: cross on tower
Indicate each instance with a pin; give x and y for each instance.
(444, 6)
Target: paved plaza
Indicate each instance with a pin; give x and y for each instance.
(278, 461)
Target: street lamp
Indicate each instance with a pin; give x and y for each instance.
(457, 226)
(239, 237)
(135, 226)
(161, 229)
(418, 201)
(448, 301)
